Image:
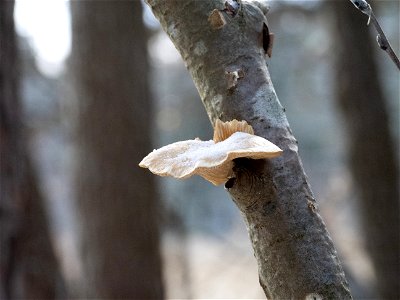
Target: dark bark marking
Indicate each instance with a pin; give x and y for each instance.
(269, 207)
(250, 177)
(267, 40)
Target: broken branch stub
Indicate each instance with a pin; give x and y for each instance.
(213, 160)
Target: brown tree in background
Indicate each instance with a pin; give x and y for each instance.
(117, 201)
(28, 267)
(372, 154)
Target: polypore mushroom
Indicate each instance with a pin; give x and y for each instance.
(213, 160)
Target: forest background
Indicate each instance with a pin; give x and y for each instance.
(203, 242)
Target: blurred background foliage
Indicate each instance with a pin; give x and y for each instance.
(205, 249)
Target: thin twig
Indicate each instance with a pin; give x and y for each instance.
(383, 42)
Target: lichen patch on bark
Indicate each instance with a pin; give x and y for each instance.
(200, 48)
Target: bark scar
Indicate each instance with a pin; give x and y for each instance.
(216, 19)
(232, 78)
(311, 204)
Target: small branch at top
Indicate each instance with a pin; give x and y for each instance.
(383, 42)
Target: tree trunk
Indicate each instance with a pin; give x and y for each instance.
(224, 49)
(28, 267)
(372, 156)
(117, 202)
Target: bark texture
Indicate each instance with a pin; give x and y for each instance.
(224, 50)
(28, 267)
(372, 155)
(117, 202)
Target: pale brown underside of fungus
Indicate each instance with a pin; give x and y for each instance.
(213, 160)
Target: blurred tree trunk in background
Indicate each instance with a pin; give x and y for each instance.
(28, 267)
(117, 201)
(372, 154)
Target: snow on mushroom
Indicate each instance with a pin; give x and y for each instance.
(213, 160)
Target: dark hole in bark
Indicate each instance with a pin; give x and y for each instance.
(229, 184)
(266, 38)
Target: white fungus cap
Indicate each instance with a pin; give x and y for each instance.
(213, 160)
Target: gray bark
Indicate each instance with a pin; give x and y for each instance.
(296, 257)
(372, 155)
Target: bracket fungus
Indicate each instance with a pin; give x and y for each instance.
(213, 160)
